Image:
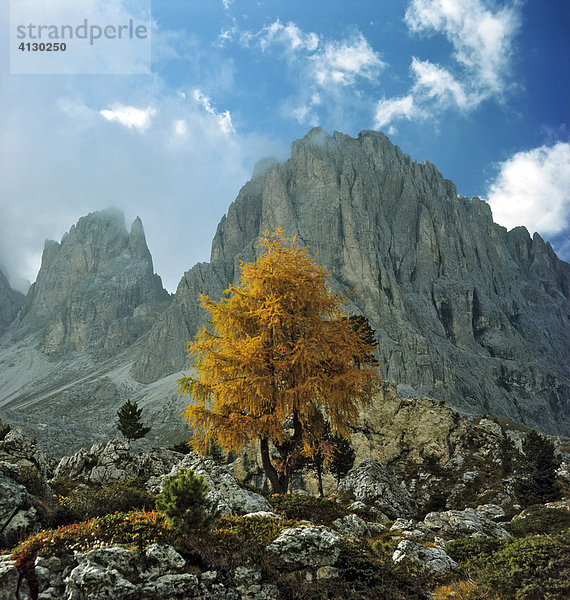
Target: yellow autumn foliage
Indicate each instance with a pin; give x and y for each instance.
(277, 358)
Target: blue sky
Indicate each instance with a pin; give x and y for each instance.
(480, 88)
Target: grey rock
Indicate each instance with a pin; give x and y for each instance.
(351, 526)
(10, 303)
(490, 511)
(102, 575)
(175, 586)
(302, 547)
(372, 484)
(434, 560)
(264, 513)
(464, 311)
(96, 290)
(19, 449)
(17, 517)
(9, 577)
(116, 461)
(464, 523)
(224, 492)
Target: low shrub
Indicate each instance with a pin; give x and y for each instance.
(540, 519)
(317, 510)
(531, 568)
(4, 431)
(32, 480)
(460, 590)
(184, 501)
(464, 549)
(361, 576)
(136, 529)
(238, 533)
(96, 501)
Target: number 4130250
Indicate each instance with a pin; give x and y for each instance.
(42, 47)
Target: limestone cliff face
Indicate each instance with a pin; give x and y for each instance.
(465, 311)
(10, 303)
(96, 290)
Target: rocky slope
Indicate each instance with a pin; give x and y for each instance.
(464, 311)
(263, 548)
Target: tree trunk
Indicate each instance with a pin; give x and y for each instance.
(279, 483)
(320, 478)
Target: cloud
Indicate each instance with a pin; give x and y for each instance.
(433, 82)
(531, 189)
(326, 72)
(343, 62)
(129, 116)
(289, 36)
(482, 37)
(169, 176)
(387, 110)
(224, 119)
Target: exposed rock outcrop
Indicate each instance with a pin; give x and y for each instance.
(464, 311)
(372, 484)
(434, 560)
(10, 302)
(303, 547)
(96, 290)
(464, 523)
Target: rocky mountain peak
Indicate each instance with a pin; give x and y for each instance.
(465, 311)
(91, 287)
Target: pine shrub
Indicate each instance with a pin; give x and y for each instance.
(184, 502)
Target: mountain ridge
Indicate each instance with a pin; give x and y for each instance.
(465, 311)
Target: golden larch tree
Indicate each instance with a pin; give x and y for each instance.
(277, 361)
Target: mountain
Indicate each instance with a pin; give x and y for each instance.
(10, 302)
(465, 311)
(94, 289)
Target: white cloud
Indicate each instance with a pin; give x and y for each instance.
(390, 109)
(433, 82)
(129, 116)
(481, 36)
(172, 183)
(326, 71)
(289, 36)
(224, 119)
(342, 63)
(531, 189)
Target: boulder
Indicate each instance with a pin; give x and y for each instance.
(19, 449)
(434, 560)
(9, 577)
(464, 523)
(351, 526)
(302, 547)
(116, 461)
(17, 517)
(373, 484)
(224, 492)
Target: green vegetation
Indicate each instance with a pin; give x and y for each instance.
(130, 424)
(540, 519)
(530, 567)
(184, 502)
(536, 482)
(308, 508)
